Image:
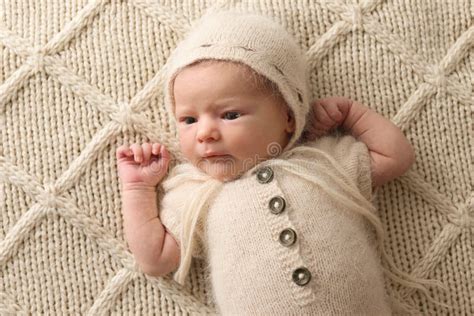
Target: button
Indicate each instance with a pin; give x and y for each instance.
(287, 237)
(301, 276)
(277, 205)
(265, 175)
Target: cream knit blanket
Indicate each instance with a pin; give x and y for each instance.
(79, 78)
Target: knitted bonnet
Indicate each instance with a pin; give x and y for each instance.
(255, 41)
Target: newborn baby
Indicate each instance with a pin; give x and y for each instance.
(284, 223)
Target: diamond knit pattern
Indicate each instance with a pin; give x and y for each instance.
(80, 78)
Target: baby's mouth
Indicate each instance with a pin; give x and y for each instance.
(221, 159)
(214, 155)
(218, 157)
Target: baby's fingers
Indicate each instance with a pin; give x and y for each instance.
(123, 152)
(137, 153)
(160, 164)
(165, 159)
(165, 155)
(156, 148)
(333, 112)
(322, 117)
(146, 150)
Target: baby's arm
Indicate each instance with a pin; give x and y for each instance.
(141, 168)
(390, 152)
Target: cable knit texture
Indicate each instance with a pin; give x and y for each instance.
(79, 78)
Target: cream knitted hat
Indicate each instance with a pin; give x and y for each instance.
(255, 41)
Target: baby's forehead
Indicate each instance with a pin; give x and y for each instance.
(222, 77)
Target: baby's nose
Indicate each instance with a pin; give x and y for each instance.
(208, 131)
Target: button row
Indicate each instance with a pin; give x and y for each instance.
(277, 205)
(265, 175)
(287, 238)
(301, 276)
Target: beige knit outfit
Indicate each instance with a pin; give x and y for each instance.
(80, 78)
(253, 268)
(243, 278)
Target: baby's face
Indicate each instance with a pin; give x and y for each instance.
(226, 125)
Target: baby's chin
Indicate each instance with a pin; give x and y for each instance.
(224, 171)
(222, 175)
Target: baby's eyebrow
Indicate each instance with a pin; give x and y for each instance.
(216, 105)
(225, 102)
(182, 112)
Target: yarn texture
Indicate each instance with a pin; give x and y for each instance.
(80, 78)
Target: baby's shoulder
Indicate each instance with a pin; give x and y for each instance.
(184, 174)
(334, 145)
(341, 154)
(184, 180)
(332, 141)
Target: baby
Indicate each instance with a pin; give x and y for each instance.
(282, 220)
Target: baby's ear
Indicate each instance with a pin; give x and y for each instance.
(291, 124)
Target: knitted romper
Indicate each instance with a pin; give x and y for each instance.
(277, 243)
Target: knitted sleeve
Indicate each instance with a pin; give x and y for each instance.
(353, 156)
(178, 189)
(171, 207)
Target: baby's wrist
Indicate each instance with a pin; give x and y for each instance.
(138, 188)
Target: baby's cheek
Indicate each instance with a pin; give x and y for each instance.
(248, 141)
(253, 148)
(186, 147)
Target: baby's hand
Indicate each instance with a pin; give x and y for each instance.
(142, 167)
(329, 113)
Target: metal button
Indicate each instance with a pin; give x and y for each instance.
(277, 205)
(301, 276)
(287, 237)
(265, 175)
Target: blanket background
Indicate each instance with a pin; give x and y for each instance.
(79, 78)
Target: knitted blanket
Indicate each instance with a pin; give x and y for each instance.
(79, 78)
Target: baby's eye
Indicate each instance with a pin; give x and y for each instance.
(188, 120)
(231, 115)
